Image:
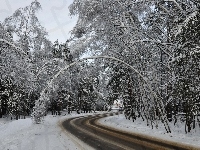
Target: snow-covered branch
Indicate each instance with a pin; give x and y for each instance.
(157, 42)
(175, 2)
(113, 59)
(11, 44)
(47, 62)
(180, 27)
(181, 56)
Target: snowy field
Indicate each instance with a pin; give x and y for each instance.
(24, 135)
(139, 126)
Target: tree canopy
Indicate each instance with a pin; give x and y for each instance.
(154, 46)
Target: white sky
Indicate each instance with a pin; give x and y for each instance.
(54, 16)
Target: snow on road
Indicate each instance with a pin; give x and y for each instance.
(139, 126)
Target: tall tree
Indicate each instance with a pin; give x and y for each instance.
(27, 28)
(186, 63)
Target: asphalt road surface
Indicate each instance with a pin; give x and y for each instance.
(100, 137)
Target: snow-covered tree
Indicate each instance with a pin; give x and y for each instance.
(15, 72)
(185, 64)
(22, 38)
(27, 28)
(140, 33)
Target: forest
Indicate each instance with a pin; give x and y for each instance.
(143, 52)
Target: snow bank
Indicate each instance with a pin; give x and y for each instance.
(24, 135)
(13, 127)
(140, 127)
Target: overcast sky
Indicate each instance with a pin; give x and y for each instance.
(54, 16)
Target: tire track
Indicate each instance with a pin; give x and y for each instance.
(103, 137)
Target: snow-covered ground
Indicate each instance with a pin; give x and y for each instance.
(24, 135)
(140, 127)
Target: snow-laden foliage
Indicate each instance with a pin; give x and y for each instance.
(24, 49)
(145, 53)
(151, 36)
(26, 27)
(185, 64)
(15, 76)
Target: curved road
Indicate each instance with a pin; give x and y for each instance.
(100, 137)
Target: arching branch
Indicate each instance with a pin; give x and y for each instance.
(131, 67)
(11, 44)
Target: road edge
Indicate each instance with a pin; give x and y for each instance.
(74, 139)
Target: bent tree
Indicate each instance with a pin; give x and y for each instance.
(158, 38)
(41, 104)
